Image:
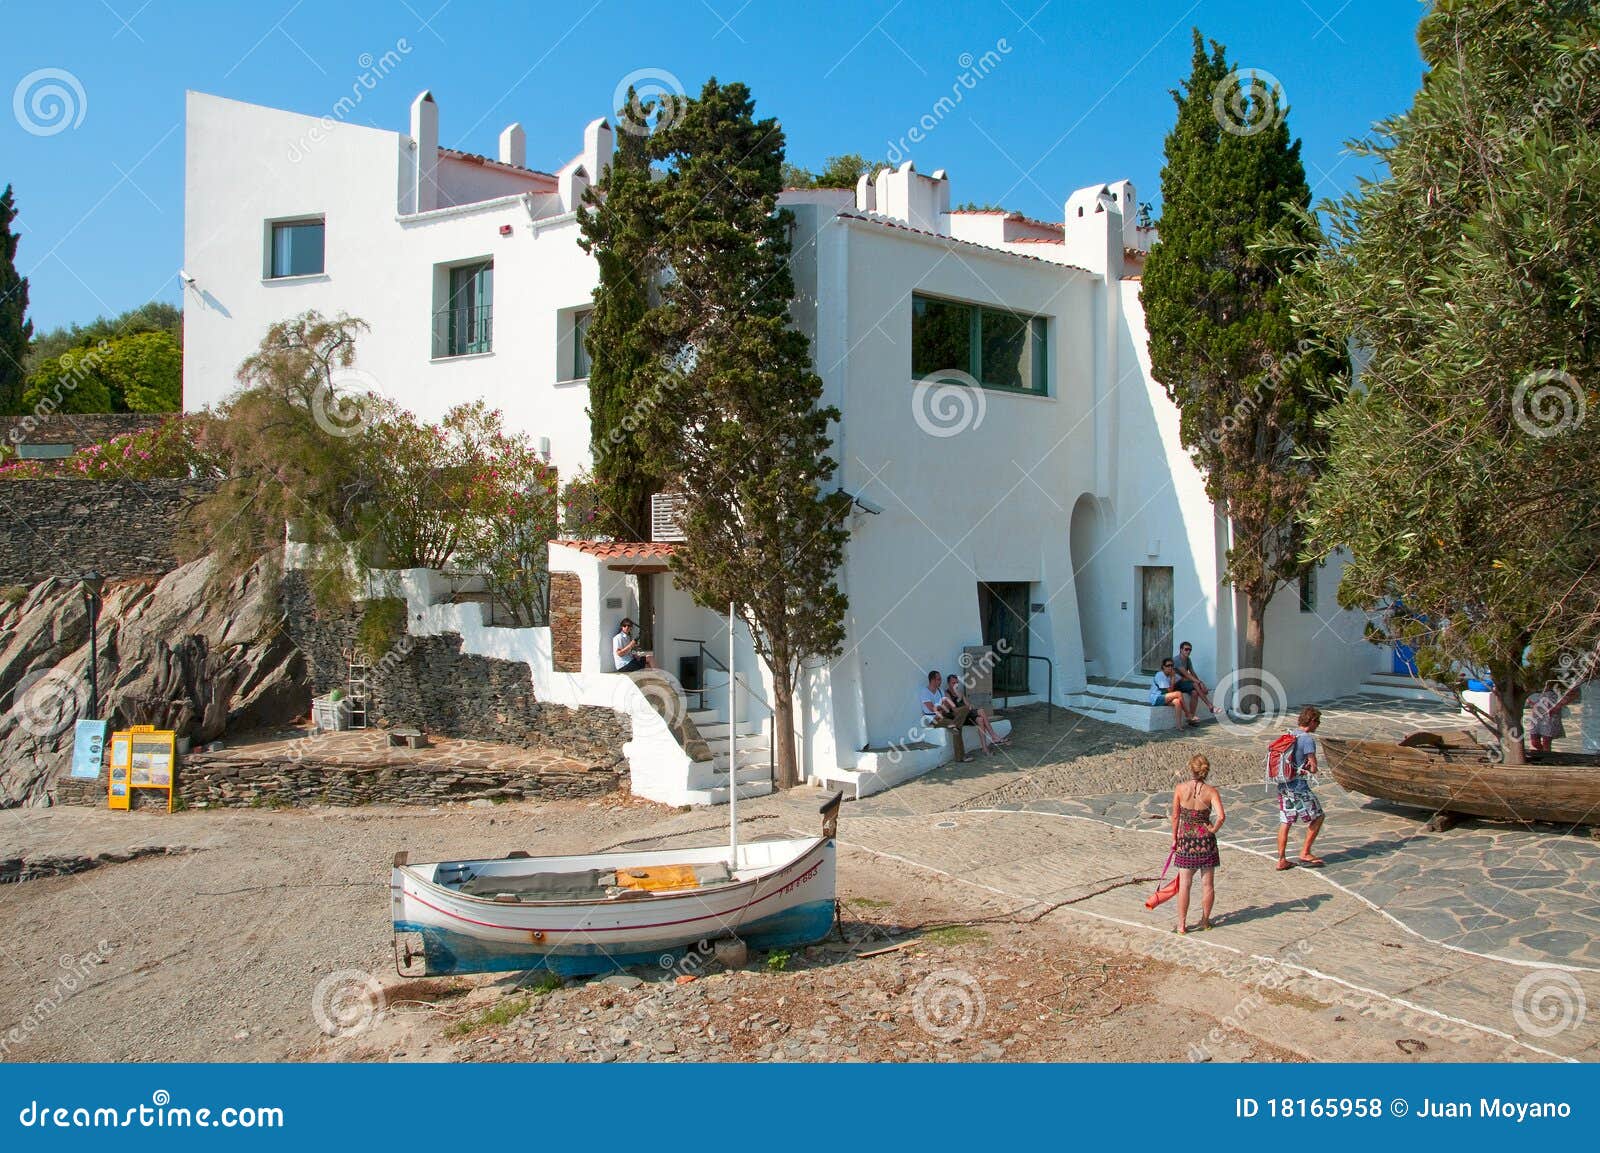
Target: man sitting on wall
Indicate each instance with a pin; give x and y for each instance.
(625, 649)
(936, 712)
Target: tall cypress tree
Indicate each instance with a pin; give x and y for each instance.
(1247, 386)
(622, 230)
(15, 328)
(749, 444)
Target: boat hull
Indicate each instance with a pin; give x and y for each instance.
(789, 905)
(1459, 778)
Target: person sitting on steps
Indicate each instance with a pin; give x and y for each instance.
(1164, 690)
(1188, 680)
(939, 714)
(625, 650)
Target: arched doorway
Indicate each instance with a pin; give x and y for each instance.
(1089, 561)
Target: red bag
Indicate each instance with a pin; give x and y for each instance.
(1164, 892)
(1280, 760)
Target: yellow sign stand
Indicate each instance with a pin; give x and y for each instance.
(142, 757)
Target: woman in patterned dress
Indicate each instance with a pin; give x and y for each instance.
(1194, 839)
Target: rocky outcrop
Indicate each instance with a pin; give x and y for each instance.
(180, 652)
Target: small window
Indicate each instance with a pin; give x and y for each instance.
(465, 326)
(997, 348)
(580, 344)
(1308, 590)
(297, 248)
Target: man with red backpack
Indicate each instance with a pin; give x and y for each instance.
(1290, 760)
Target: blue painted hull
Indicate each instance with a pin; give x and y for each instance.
(448, 951)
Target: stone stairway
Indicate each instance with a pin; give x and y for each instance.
(1402, 687)
(747, 744)
(1122, 702)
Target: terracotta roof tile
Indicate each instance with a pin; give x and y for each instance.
(490, 162)
(1036, 240)
(621, 550)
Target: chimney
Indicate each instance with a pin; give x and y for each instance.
(596, 150)
(425, 138)
(514, 146)
(866, 193)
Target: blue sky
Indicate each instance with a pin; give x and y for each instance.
(1077, 96)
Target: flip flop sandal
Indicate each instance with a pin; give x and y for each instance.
(1312, 862)
(1285, 864)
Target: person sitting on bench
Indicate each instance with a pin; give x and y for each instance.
(1164, 690)
(940, 714)
(1188, 680)
(625, 649)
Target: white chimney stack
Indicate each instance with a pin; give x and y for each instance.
(514, 146)
(425, 137)
(597, 147)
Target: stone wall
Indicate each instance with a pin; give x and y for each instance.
(430, 683)
(566, 622)
(76, 429)
(280, 781)
(63, 528)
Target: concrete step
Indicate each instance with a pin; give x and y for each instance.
(710, 774)
(718, 731)
(1403, 687)
(719, 796)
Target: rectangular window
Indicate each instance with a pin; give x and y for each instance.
(580, 343)
(297, 248)
(465, 326)
(997, 348)
(1308, 590)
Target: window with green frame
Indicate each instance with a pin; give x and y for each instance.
(997, 348)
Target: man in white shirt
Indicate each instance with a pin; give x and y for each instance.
(940, 714)
(625, 651)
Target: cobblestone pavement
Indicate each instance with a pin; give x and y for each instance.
(1485, 925)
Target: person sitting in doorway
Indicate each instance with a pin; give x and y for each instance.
(938, 713)
(955, 697)
(1188, 680)
(1164, 690)
(625, 649)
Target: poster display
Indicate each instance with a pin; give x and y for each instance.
(142, 757)
(89, 749)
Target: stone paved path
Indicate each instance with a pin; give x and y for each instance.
(1486, 926)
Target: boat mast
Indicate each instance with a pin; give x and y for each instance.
(733, 753)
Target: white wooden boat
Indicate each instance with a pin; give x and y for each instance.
(590, 914)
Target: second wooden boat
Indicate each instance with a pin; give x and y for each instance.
(1451, 772)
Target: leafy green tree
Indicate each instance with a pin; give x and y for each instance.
(1462, 471)
(71, 382)
(622, 229)
(1247, 385)
(156, 316)
(15, 327)
(145, 373)
(839, 172)
(749, 447)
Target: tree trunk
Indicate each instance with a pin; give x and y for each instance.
(788, 768)
(1507, 705)
(1248, 684)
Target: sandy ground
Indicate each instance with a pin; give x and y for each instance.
(263, 931)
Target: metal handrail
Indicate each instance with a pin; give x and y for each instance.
(1050, 683)
(733, 724)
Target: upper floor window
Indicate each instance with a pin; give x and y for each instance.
(997, 348)
(580, 344)
(1308, 590)
(465, 325)
(297, 248)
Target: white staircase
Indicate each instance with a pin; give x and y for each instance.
(1124, 702)
(1403, 687)
(746, 744)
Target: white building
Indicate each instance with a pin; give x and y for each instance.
(1047, 501)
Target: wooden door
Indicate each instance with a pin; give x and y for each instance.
(1155, 617)
(1003, 610)
(647, 612)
